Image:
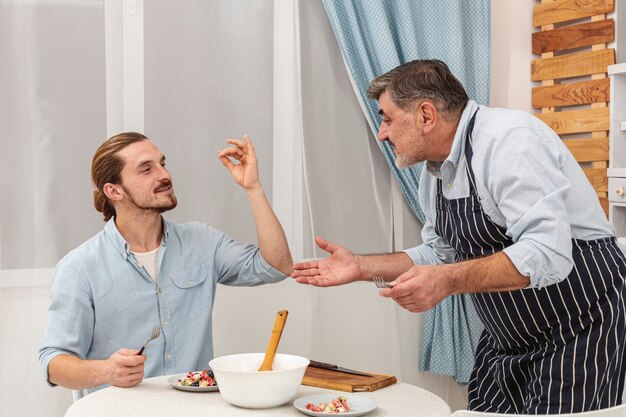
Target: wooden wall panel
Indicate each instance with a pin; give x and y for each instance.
(588, 149)
(574, 36)
(572, 65)
(577, 121)
(566, 10)
(572, 94)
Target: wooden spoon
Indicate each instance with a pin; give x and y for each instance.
(277, 331)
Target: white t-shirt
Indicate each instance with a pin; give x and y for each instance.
(149, 261)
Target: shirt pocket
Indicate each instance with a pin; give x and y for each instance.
(192, 292)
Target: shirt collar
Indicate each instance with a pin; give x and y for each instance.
(166, 231)
(458, 143)
(110, 229)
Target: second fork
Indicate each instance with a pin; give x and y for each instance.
(381, 283)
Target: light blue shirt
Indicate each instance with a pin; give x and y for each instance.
(527, 181)
(102, 300)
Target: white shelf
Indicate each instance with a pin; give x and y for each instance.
(617, 133)
(616, 172)
(617, 69)
(617, 146)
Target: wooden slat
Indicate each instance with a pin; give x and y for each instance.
(565, 10)
(588, 150)
(597, 178)
(577, 121)
(574, 36)
(572, 65)
(572, 94)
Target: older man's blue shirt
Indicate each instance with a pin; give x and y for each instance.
(527, 182)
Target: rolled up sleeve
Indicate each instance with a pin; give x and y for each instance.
(242, 264)
(530, 193)
(70, 317)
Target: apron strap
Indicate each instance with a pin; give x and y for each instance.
(469, 153)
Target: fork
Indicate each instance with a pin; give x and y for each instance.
(156, 331)
(381, 283)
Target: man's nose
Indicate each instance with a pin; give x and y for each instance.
(164, 173)
(382, 132)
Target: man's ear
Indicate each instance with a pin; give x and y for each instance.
(428, 114)
(113, 191)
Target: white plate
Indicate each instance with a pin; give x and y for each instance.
(174, 379)
(358, 405)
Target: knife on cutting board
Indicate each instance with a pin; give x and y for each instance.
(333, 367)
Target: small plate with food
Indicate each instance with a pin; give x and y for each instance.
(194, 381)
(345, 405)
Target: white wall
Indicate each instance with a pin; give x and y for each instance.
(23, 303)
(511, 25)
(23, 311)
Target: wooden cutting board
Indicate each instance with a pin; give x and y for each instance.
(340, 381)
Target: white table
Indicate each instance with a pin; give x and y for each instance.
(155, 397)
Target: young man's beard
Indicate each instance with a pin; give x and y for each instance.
(161, 208)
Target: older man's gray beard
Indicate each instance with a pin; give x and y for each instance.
(402, 161)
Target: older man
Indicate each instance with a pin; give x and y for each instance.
(511, 219)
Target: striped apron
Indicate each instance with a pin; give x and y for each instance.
(558, 349)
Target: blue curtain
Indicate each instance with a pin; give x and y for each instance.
(377, 35)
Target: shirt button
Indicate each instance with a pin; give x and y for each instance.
(169, 356)
(449, 185)
(166, 323)
(190, 281)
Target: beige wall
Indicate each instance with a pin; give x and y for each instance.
(511, 26)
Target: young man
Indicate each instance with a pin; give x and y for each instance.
(511, 219)
(142, 271)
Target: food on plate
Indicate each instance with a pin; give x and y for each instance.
(198, 379)
(335, 406)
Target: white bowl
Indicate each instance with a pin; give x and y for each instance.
(242, 385)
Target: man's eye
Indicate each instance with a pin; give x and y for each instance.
(146, 169)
